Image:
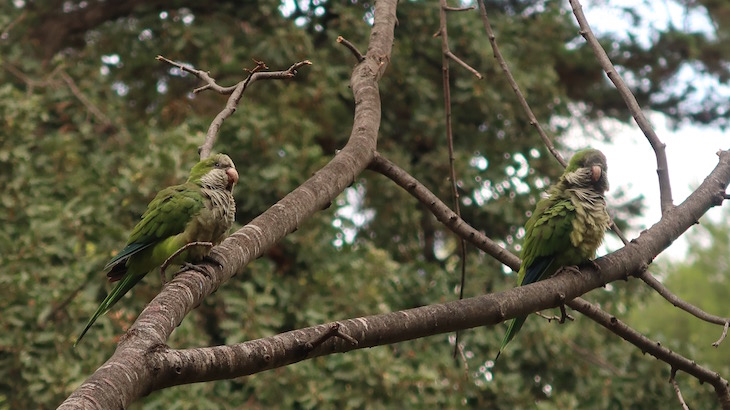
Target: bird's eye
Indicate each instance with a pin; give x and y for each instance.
(217, 165)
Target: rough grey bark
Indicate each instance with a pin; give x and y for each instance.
(128, 375)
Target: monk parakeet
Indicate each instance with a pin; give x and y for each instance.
(200, 210)
(567, 226)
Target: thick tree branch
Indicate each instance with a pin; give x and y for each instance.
(127, 375)
(665, 189)
(197, 365)
(676, 361)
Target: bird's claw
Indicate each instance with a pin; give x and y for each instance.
(564, 315)
(189, 266)
(573, 269)
(211, 259)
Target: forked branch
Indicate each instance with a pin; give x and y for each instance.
(235, 91)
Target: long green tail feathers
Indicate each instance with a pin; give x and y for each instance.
(121, 289)
(512, 330)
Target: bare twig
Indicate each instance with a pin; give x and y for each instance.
(665, 189)
(461, 62)
(48, 81)
(203, 75)
(442, 212)
(516, 88)
(449, 8)
(564, 315)
(460, 348)
(358, 55)
(6, 31)
(684, 305)
(617, 231)
(235, 91)
(76, 92)
(674, 383)
(333, 331)
(560, 319)
(677, 361)
(722, 336)
(446, 54)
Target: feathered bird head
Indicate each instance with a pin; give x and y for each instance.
(587, 169)
(216, 172)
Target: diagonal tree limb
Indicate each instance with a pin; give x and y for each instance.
(655, 349)
(684, 305)
(128, 375)
(442, 212)
(515, 87)
(220, 362)
(454, 223)
(665, 188)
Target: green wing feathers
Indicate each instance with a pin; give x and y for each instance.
(200, 210)
(150, 242)
(546, 239)
(167, 215)
(567, 227)
(547, 235)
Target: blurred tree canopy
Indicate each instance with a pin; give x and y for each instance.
(92, 127)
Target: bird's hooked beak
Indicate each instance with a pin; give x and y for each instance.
(596, 172)
(232, 178)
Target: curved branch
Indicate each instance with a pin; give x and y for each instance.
(712, 189)
(665, 188)
(684, 305)
(127, 375)
(655, 349)
(235, 91)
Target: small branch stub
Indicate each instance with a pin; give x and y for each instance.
(723, 336)
(358, 55)
(333, 331)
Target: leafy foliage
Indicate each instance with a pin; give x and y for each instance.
(92, 127)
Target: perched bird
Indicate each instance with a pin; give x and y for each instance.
(179, 226)
(567, 226)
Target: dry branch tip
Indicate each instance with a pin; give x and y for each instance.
(358, 55)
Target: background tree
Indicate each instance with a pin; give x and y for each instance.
(93, 127)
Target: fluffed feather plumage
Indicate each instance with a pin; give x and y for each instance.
(567, 226)
(200, 210)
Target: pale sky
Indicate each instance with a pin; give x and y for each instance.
(691, 150)
(691, 156)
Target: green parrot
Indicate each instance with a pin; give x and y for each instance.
(182, 222)
(567, 226)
